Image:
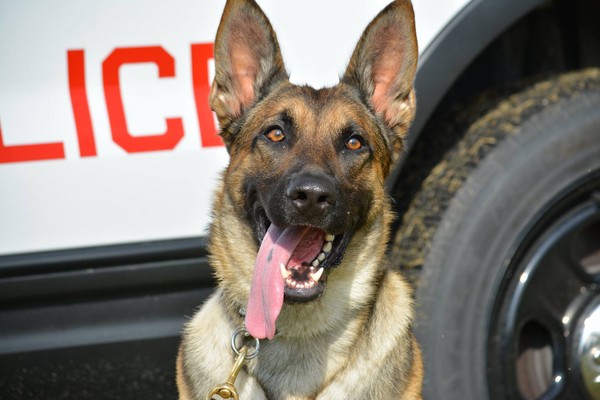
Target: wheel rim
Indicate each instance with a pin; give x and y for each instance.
(544, 336)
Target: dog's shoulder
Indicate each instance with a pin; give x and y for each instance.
(205, 357)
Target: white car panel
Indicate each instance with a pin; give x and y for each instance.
(113, 196)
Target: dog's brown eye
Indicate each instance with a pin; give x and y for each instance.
(354, 144)
(275, 135)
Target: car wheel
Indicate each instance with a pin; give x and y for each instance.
(508, 299)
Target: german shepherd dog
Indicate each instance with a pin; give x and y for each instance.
(301, 221)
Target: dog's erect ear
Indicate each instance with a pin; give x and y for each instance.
(247, 59)
(383, 67)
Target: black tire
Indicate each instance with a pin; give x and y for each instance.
(514, 173)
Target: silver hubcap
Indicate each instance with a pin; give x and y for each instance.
(589, 349)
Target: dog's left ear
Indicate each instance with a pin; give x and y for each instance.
(247, 61)
(383, 68)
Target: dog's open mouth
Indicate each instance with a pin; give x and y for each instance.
(292, 264)
(304, 274)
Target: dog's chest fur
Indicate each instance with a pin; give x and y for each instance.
(307, 364)
(354, 360)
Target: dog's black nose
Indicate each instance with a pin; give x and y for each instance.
(312, 194)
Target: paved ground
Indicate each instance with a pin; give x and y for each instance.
(124, 371)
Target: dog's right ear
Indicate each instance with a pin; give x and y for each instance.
(247, 60)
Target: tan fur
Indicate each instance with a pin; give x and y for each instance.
(355, 341)
(184, 393)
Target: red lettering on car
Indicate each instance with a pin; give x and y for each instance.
(201, 54)
(79, 103)
(114, 102)
(30, 152)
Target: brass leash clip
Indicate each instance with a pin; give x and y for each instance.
(227, 390)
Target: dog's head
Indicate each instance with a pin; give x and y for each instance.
(308, 166)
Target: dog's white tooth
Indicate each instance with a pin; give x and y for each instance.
(329, 237)
(284, 272)
(327, 248)
(316, 275)
(315, 263)
(321, 256)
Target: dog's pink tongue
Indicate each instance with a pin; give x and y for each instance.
(266, 293)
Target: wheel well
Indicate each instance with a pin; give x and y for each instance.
(558, 36)
(552, 38)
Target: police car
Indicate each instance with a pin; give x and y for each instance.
(109, 154)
